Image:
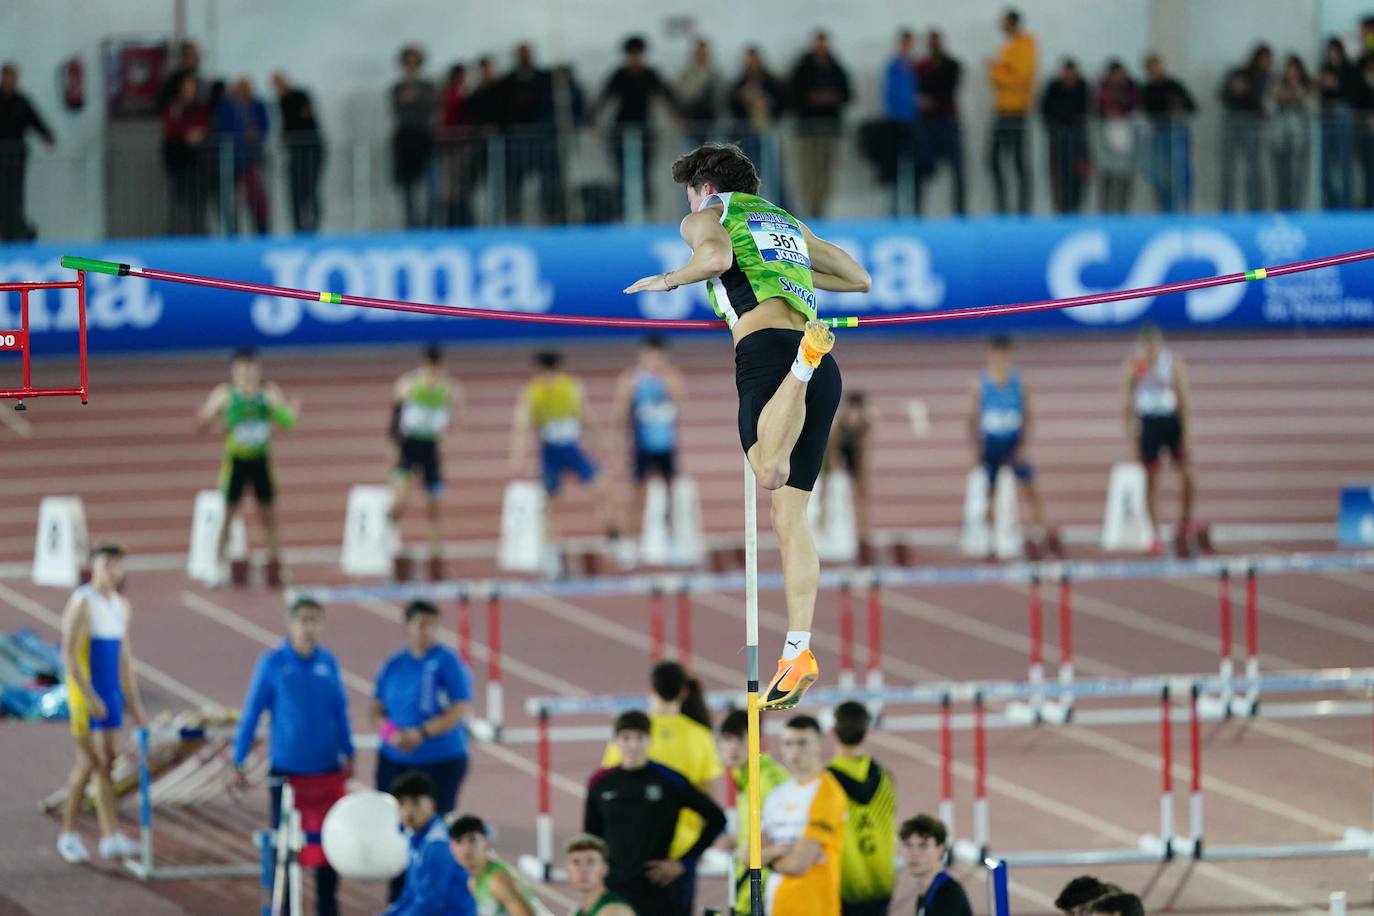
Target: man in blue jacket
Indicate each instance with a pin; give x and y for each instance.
(299, 686)
(436, 885)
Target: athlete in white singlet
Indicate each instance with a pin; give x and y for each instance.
(1156, 413)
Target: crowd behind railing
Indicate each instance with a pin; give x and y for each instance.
(531, 145)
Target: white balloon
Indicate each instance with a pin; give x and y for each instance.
(362, 837)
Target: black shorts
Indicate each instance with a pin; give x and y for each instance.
(762, 361)
(877, 907)
(1162, 434)
(655, 464)
(422, 456)
(241, 473)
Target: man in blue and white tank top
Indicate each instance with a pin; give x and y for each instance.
(1156, 413)
(999, 425)
(647, 399)
(101, 690)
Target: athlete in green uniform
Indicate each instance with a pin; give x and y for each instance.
(762, 267)
(427, 404)
(249, 409)
(498, 888)
(588, 863)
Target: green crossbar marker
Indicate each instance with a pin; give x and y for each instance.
(1258, 273)
(850, 322)
(91, 265)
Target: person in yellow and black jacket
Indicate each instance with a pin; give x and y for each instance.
(870, 832)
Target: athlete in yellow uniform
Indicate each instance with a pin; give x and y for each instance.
(553, 411)
(100, 688)
(803, 829)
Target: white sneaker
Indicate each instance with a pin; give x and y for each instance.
(118, 846)
(71, 849)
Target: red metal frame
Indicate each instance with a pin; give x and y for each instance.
(23, 340)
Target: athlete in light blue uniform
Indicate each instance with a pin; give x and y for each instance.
(647, 398)
(101, 690)
(999, 429)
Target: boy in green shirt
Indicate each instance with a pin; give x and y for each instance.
(249, 410)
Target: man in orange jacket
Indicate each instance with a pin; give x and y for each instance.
(1012, 74)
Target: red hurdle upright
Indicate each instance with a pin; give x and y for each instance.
(847, 636)
(1066, 637)
(1036, 629)
(875, 634)
(495, 697)
(656, 624)
(465, 626)
(684, 626)
(947, 765)
(980, 781)
(21, 339)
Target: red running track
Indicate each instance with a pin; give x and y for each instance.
(1280, 424)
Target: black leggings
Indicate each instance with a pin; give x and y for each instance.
(762, 361)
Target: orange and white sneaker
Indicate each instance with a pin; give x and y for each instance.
(789, 684)
(817, 340)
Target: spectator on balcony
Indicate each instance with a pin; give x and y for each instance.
(524, 99)
(633, 87)
(1168, 105)
(901, 105)
(186, 133)
(1118, 98)
(241, 123)
(820, 91)
(1242, 98)
(458, 148)
(1341, 89)
(1290, 104)
(1013, 84)
(938, 84)
(757, 100)
(413, 104)
(1064, 106)
(1364, 133)
(698, 92)
(188, 64)
(304, 152)
(17, 118)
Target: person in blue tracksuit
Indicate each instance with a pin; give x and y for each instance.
(422, 696)
(436, 885)
(999, 427)
(298, 685)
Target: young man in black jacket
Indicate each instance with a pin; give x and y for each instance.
(634, 807)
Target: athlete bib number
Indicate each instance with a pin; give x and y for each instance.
(420, 420)
(562, 432)
(778, 240)
(252, 433)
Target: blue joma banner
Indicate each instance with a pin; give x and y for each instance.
(916, 266)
